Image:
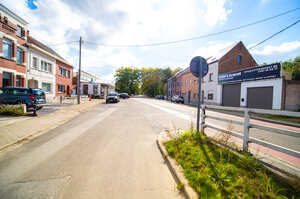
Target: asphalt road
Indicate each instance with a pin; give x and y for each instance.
(109, 152)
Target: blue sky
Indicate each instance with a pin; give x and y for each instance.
(121, 22)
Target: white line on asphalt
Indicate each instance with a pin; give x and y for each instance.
(175, 113)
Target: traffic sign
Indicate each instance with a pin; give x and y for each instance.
(195, 65)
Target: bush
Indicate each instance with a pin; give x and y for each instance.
(216, 172)
(14, 110)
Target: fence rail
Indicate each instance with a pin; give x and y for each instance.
(247, 126)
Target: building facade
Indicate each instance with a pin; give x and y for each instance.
(64, 74)
(89, 84)
(232, 58)
(13, 37)
(41, 67)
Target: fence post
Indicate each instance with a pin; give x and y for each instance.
(202, 118)
(60, 99)
(246, 130)
(24, 108)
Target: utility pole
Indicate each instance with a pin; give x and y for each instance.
(79, 72)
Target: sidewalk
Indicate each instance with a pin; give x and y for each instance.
(23, 128)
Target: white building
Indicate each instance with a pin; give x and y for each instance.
(89, 84)
(41, 67)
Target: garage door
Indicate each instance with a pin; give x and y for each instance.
(231, 95)
(260, 97)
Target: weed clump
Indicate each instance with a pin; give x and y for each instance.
(13, 110)
(216, 172)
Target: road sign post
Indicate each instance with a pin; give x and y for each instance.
(199, 68)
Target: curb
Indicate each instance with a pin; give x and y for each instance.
(175, 169)
(40, 132)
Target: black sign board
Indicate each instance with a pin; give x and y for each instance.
(257, 73)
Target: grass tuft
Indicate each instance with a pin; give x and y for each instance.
(216, 172)
(13, 110)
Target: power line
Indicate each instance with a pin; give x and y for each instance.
(273, 35)
(63, 43)
(194, 38)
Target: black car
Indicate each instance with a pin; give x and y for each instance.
(124, 95)
(112, 97)
(33, 98)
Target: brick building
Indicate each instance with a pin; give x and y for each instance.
(64, 74)
(232, 58)
(13, 37)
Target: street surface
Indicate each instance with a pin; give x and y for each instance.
(108, 152)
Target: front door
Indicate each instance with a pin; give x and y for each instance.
(189, 97)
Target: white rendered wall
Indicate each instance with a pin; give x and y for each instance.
(277, 90)
(212, 86)
(38, 74)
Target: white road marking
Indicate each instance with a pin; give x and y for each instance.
(175, 113)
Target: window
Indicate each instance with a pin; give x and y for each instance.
(7, 79)
(239, 59)
(64, 72)
(19, 56)
(44, 65)
(19, 31)
(46, 87)
(7, 48)
(61, 88)
(19, 81)
(210, 96)
(95, 89)
(211, 77)
(49, 68)
(35, 63)
(5, 20)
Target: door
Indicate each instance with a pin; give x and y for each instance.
(260, 97)
(231, 95)
(189, 97)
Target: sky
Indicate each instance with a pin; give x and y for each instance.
(135, 22)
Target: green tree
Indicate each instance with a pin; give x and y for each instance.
(292, 66)
(128, 80)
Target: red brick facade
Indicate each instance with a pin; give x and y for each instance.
(229, 62)
(9, 65)
(61, 80)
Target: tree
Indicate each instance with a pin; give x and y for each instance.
(292, 66)
(127, 80)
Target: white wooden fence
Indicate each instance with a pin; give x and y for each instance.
(247, 126)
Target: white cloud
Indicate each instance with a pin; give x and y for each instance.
(211, 48)
(279, 49)
(215, 11)
(117, 22)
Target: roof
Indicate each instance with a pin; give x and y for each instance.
(12, 14)
(221, 53)
(43, 46)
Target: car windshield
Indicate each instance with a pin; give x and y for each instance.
(38, 92)
(112, 94)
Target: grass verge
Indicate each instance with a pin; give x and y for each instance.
(13, 110)
(216, 172)
(295, 120)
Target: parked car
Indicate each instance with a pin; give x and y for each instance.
(177, 99)
(124, 95)
(112, 97)
(160, 97)
(33, 98)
